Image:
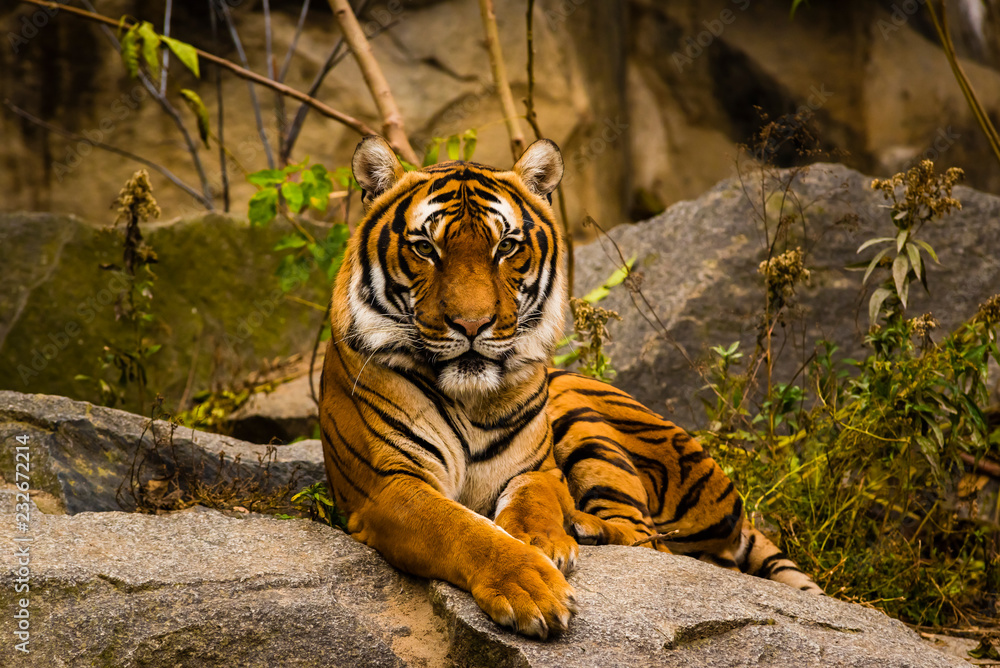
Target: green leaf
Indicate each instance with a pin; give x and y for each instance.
(453, 146)
(872, 242)
(267, 177)
(914, 253)
(875, 304)
(130, 51)
(900, 268)
(874, 263)
(567, 359)
(469, 146)
(290, 241)
(153, 349)
(185, 53)
(292, 192)
(263, 207)
(195, 104)
(150, 47)
(795, 6)
(901, 240)
(431, 157)
(927, 247)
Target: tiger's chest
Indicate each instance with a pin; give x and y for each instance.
(486, 455)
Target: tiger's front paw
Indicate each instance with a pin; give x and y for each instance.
(522, 590)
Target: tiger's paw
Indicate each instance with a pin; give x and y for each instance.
(561, 548)
(592, 530)
(522, 590)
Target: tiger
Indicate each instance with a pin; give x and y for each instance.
(449, 444)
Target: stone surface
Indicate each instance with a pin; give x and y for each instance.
(217, 305)
(200, 588)
(699, 264)
(81, 454)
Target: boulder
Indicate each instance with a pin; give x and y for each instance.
(699, 266)
(199, 587)
(89, 458)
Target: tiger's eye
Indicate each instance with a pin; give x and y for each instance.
(424, 248)
(506, 246)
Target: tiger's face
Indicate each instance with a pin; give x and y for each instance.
(457, 270)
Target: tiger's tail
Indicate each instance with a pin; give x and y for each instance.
(756, 555)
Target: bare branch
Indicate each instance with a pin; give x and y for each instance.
(510, 114)
(111, 149)
(353, 123)
(392, 120)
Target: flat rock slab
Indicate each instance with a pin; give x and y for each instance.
(202, 588)
(81, 453)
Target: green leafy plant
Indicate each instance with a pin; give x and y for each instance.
(315, 501)
(135, 204)
(457, 147)
(294, 190)
(865, 467)
(590, 325)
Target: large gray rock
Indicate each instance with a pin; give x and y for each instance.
(82, 454)
(200, 588)
(699, 262)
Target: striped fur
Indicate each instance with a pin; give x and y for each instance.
(437, 411)
(645, 476)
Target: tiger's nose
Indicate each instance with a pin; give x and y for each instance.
(471, 327)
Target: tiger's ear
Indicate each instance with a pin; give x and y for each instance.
(540, 167)
(375, 167)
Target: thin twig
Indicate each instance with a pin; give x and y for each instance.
(167, 13)
(283, 72)
(220, 122)
(111, 149)
(353, 123)
(510, 115)
(392, 119)
(529, 101)
(258, 117)
(655, 536)
(312, 360)
(532, 118)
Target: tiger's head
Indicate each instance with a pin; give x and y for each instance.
(457, 270)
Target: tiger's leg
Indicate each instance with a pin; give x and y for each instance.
(611, 501)
(535, 508)
(420, 531)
